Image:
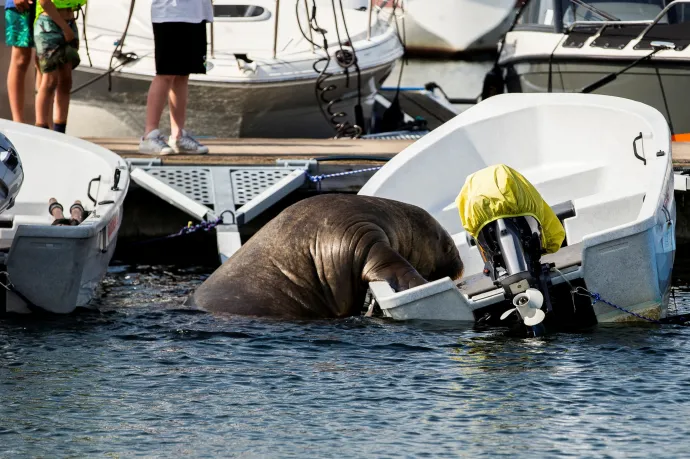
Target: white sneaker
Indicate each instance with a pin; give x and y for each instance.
(187, 145)
(154, 144)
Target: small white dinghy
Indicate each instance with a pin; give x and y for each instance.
(604, 166)
(58, 268)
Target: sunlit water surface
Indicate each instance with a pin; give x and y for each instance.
(147, 377)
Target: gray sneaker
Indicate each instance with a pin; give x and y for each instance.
(154, 144)
(187, 145)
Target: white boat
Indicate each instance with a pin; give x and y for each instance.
(448, 27)
(602, 163)
(263, 75)
(571, 46)
(58, 268)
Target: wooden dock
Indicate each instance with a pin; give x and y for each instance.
(250, 152)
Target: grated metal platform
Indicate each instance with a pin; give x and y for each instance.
(233, 195)
(197, 182)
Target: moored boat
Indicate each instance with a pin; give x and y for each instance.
(274, 69)
(602, 164)
(58, 268)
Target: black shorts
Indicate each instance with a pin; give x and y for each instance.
(180, 48)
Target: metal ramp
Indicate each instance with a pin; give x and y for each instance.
(235, 194)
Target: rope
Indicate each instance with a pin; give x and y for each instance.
(597, 298)
(189, 229)
(320, 178)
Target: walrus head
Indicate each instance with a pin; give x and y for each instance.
(433, 252)
(418, 248)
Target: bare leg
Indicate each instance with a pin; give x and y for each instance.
(56, 211)
(158, 96)
(16, 77)
(45, 95)
(77, 211)
(62, 95)
(179, 94)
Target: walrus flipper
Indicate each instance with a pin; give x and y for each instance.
(385, 264)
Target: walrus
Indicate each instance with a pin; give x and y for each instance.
(316, 258)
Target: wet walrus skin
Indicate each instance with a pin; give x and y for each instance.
(316, 258)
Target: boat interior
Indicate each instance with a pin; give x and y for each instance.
(65, 168)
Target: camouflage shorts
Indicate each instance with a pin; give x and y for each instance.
(51, 48)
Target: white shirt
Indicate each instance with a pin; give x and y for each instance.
(193, 11)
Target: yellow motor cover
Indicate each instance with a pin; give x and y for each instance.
(499, 192)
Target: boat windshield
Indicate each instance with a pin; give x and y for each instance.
(559, 14)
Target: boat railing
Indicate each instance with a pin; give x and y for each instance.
(661, 15)
(275, 29)
(605, 24)
(649, 22)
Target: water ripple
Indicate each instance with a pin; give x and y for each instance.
(146, 376)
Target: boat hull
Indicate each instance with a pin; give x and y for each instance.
(662, 86)
(455, 26)
(45, 284)
(282, 109)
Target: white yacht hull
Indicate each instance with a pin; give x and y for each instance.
(282, 109)
(446, 27)
(263, 74)
(662, 85)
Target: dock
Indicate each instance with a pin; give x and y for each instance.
(254, 179)
(254, 152)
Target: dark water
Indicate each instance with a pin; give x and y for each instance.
(146, 377)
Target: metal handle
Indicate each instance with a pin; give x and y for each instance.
(88, 191)
(116, 180)
(639, 137)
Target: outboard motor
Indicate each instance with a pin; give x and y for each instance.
(511, 248)
(11, 173)
(512, 226)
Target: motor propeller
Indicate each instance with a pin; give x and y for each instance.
(528, 305)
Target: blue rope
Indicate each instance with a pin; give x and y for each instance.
(319, 178)
(189, 229)
(597, 298)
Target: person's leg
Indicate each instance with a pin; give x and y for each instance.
(177, 101)
(55, 209)
(156, 100)
(191, 44)
(77, 212)
(45, 95)
(20, 62)
(18, 36)
(62, 97)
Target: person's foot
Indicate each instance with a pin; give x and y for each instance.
(77, 211)
(154, 144)
(187, 145)
(55, 209)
